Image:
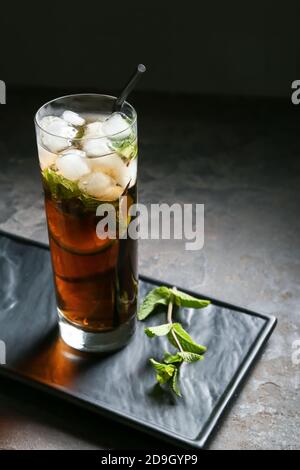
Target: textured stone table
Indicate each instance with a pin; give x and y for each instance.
(240, 159)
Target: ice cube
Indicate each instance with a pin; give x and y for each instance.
(116, 126)
(96, 147)
(114, 193)
(95, 183)
(100, 186)
(58, 127)
(46, 158)
(114, 166)
(55, 144)
(73, 118)
(72, 166)
(93, 130)
(58, 133)
(94, 142)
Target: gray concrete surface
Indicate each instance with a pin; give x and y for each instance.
(240, 159)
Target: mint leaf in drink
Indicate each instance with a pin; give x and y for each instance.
(63, 189)
(90, 203)
(158, 296)
(175, 386)
(126, 148)
(60, 187)
(185, 341)
(80, 132)
(161, 330)
(185, 300)
(164, 371)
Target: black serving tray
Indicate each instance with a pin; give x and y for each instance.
(122, 385)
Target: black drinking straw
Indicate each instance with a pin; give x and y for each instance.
(129, 87)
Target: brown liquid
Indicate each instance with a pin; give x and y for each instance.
(95, 280)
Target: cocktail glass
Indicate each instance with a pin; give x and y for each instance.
(88, 160)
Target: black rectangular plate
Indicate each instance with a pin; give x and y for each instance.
(122, 385)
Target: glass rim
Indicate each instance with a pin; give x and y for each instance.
(36, 120)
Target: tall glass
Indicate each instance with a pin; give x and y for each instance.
(88, 157)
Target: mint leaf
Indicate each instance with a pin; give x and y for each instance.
(157, 296)
(60, 187)
(190, 357)
(182, 357)
(186, 342)
(126, 148)
(175, 386)
(80, 132)
(172, 358)
(164, 371)
(63, 189)
(161, 330)
(185, 300)
(162, 295)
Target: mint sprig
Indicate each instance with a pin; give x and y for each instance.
(188, 350)
(62, 189)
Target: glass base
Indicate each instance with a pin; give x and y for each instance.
(95, 342)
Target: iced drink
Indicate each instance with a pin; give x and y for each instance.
(88, 157)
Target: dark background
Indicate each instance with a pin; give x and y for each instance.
(216, 126)
(216, 47)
